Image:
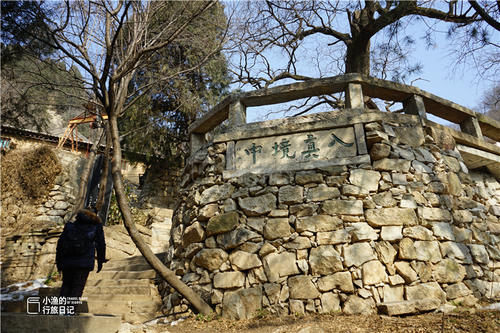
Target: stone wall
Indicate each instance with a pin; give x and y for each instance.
(401, 230)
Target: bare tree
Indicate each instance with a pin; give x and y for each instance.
(343, 33)
(110, 42)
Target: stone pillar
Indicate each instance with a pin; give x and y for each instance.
(471, 126)
(415, 105)
(197, 141)
(237, 114)
(354, 96)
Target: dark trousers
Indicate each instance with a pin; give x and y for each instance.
(74, 281)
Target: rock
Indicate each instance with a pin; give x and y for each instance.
(407, 249)
(391, 216)
(330, 302)
(56, 212)
(425, 290)
(391, 233)
(443, 231)
(210, 259)
(297, 307)
(333, 237)
(423, 155)
(354, 191)
(436, 187)
(342, 207)
(399, 179)
(434, 214)
(418, 232)
(244, 260)
(266, 249)
(307, 177)
(235, 238)
(322, 193)
(298, 243)
(273, 292)
(290, 195)
(423, 269)
(192, 249)
(301, 287)
(256, 223)
(420, 167)
(279, 213)
(357, 254)
(366, 179)
(408, 307)
(229, 205)
(62, 205)
(386, 252)
(242, 304)
(452, 163)
(479, 253)
(395, 280)
(404, 269)
(216, 193)
(379, 151)
(495, 210)
(229, 280)
(340, 280)
(325, 260)
(384, 199)
(256, 206)
(457, 290)
(279, 179)
(387, 164)
(280, 265)
(462, 216)
(456, 251)
(318, 223)
(355, 305)
(193, 234)
(303, 209)
(411, 136)
(208, 211)
(428, 251)
(362, 231)
(277, 228)
(454, 184)
(222, 223)
(374, 273)
(393, 294)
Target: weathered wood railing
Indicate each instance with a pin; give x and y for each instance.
(415, 101)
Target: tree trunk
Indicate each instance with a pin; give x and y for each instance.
(80, 200)
(358, 57)
(105, 168)
(150, 257)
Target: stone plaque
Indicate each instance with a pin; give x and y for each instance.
(297, 148)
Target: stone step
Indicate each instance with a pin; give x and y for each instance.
(96, 306)
(132, 260)
(128, 290)
(119, 282)
(127, 268)
(83, 323)
(116, 274)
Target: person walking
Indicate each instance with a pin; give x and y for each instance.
(76, 248)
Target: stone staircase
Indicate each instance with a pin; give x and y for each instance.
(124, 290)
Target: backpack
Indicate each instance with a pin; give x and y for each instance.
(75, 241)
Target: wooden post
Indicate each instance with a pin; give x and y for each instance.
(237, 114)
(415, 105)
(471, 126)
(354, 96)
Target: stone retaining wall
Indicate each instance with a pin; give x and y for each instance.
(402, 230)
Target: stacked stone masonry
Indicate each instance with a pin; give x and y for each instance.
(404, 233)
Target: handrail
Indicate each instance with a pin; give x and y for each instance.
(421, 101)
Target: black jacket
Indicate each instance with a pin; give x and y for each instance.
(87, 222)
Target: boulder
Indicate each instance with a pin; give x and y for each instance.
(325, 260)
(357, 254)
(340, 280)
(355, 305)
(366, 179)
(290, 195)
(244, 260)
(210, 259)
(256, 206)
(322, 193)
(280, 265)
(242, 304)
(373, 272)
(216, 193)
(301, 287)
(277, 228)
(229, 280)
(222, 223)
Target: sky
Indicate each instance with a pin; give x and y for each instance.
(439, 76)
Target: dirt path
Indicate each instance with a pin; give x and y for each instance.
(479, 321)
